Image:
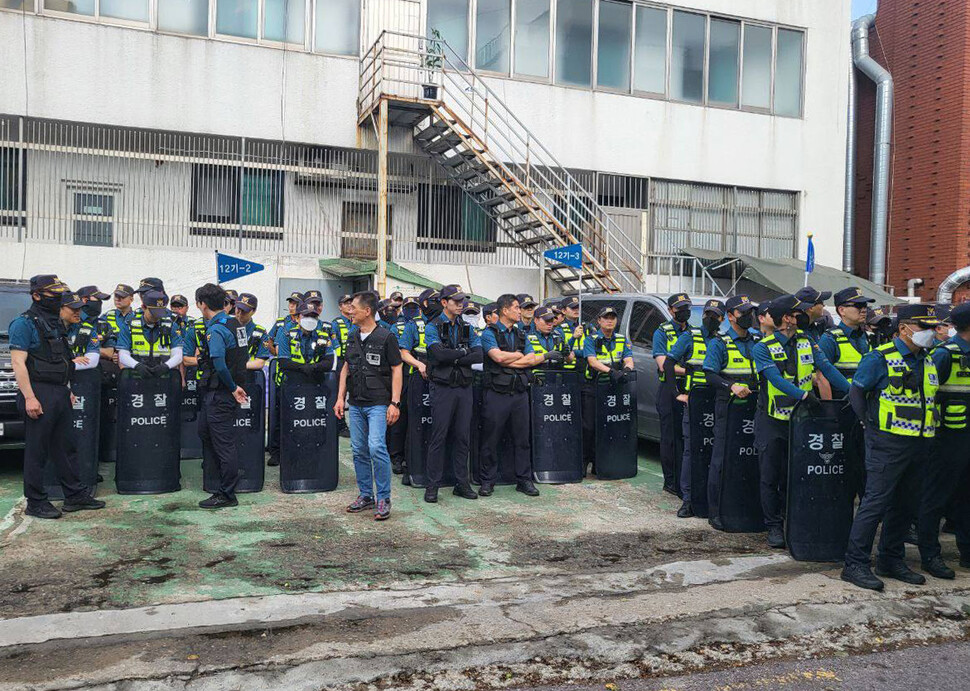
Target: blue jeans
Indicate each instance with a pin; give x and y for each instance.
(368, 440)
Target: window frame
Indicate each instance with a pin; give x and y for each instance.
(595, 77)
(668, 29)
(771, 69)
(40, 7)
(550, 54)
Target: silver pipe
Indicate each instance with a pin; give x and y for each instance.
(881, 159)
(944, 293)
(911, 286)
(848, 232)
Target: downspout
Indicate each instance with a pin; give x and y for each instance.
(944, 293)
(848, 231)
(881, 158)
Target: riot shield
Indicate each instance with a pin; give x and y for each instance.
(108, 428)
(420, 420)
(615, 427)
(308, 434)
(273, 410)
(148, 433)
(505, 453)
(249, 430)
(557, 434)
(86, 387)
(738, 502)
(191, 443)
(821, 489)
(700, 411)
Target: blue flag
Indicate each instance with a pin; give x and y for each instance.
(810, 256)
(229, 268)
(570, 255)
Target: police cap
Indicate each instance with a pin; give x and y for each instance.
(428, 295)
(397, 297)
(607, 311)
(943, 311)
(851, 296)
(46, 283)
(471, 308)
(344, 299)
(715, 306)
(786, 304)
(877, 316)
(812, 296)
(231, 297)
(960, 316)
(308, 309)
(246, 302)
(123, 290)
(525, 300)
(490, 308)
(150, 283)
(452, 292)
(742, 303)
(296, 296)
(92, 293)
(313, 296)
(569, 302)
(679, 300)
(179, 301)
(545, 313)
(411, 300)
(155, 301)
(922, 313)
(72, 300)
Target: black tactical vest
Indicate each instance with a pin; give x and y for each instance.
(236, 358)
(369, 375)
(452, 374)
(506, 379)
(52, 364)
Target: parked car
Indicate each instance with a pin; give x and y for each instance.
(14, 300)
(639, 315)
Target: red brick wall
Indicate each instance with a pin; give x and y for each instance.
(924, 44)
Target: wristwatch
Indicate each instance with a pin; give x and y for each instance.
(396, 404)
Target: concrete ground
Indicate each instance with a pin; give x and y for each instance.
(593, 582)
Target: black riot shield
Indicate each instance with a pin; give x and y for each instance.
(108, 428)
(148, 433)
(191, 443)
(738, 494)
(821, 488)
(308, 434)
(700, 412)
(273, 409)
(249, 430)
(420, 420)
(557, 433)
(86, 387)
(615, 428)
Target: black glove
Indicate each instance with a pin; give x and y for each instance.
(617, 377)
(812, 402)
(143, 370)
(159, 370)
(286, 364)
(462, 352)
(554, 356)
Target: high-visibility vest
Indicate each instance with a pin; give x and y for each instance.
(780, 404)
(201, 346)
(112, 320)
(142, 348)
(611, 357)
(738, 367)
(953, 396)
(321, 341)
(343, 331)
(695, 374)
(558, 343)
(421, 348)
(847, 358)
(671, 333)
(80, 339)
(907, 407)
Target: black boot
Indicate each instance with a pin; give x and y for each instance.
(527, 488)
(274, 458)
(397, 467)
(431, 494)
(685, 511)
(776, 537)
(937, 568)
(486, 489)
(900, 572)
(218, 501)
(465, 492)
(42, 509)
(83, 503)
(861, 575)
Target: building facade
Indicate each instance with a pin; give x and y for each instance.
(200, 125)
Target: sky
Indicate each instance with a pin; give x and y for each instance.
(861, 7)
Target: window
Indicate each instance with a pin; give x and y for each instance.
(492, 35)
(27, 5)
(358, 236)
(237, 17)
(338, 27)
(650, 52)
(687, 57)
(93, 215)
(11, 191)
(644, 321)
(756, 80)
(439, 206)
(131, 10)
(613, 47)
(722, 69)
(532, 38)
(184, 17)
(284, 21)
(788, 73)
(574, 42)
(217, 199)
(450, 19)
(82, 7)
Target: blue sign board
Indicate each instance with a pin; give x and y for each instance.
(570, 255)
(230, 268)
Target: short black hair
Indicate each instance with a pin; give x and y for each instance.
(368, 299)
(505, 301)
(212, 296)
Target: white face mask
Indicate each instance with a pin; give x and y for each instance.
(924, 338)
(951, 332)
(308, 323)
(470, 319)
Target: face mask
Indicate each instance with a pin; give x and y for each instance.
(431, 311)
(470, 319)
(92, 308)
(746, 320)
(50, 303)
(308, 323)
(711, 324)
(802, 320)
(924, 338)
(951, 332)
(411, 311)
(682, 316)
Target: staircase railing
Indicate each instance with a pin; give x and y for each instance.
(414, 68)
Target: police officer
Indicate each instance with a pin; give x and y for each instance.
(151, 344)
(453, 346)
(818, 320)
(231, 297)
(548, 341)
(341, 324)
(490, 314)
(527, 307)
(145, 285)
(946, 469)
(672, 384)
(179, 305)
(894, 392)
(786, 361)
(765, 325)
(41, 360)
(880, 327)
(257, 351)
(82, 336)
(223, 372)
(729, 367)
(121, 314)
(86, 335)
(505, 404)
(307, 349)
(282, 326)
(397, 433)
(689, 352)
(471, 315)
(943, 328)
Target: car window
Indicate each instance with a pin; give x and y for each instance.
(591, 309)
(12, 304)
(644, 320)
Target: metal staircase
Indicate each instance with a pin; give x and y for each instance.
(461, 123)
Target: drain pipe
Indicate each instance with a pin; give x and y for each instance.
(848, 231)
(881, 159)
(944, 293)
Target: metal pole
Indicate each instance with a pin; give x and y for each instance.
(382, 199)
(242, 187)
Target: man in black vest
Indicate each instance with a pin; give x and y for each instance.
(222, 373)
(41, 359)
(372, 375)
(453, 347)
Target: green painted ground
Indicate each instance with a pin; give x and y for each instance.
(163, 548)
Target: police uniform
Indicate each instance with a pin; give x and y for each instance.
(810, 296)
(669, 410)
(611, 351)
(786, 369)
(689, 351)
(397, 434)
(183, 324)
(115, 318)
(222, 371)
(341, 334)
(505, 405)
(453, 347)
(145, 345)
(897, 388)
(41, 334)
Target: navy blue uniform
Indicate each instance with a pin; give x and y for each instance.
(503, 409)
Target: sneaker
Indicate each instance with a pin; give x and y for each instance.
(685, 510)
(383, 510)
(527, 488)
(361, 503)
(83, 503)
(900, 572)
(937, 568)
(465, 492)
(274, 458)
(218, 501)
(776, 537)
(42, 509)
(861, 575)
